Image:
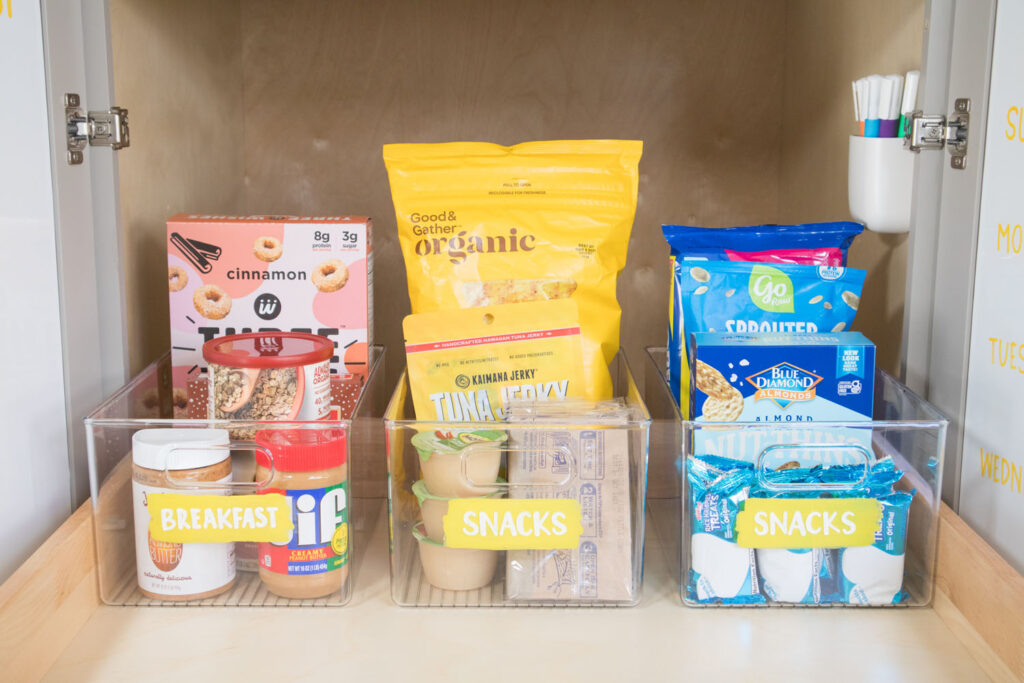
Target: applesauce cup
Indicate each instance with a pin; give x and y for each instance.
(454, 569)
(460, 464)
(434, 508)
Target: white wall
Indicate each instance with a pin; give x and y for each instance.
(34, 471)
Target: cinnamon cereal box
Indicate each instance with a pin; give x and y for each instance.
(234, 274)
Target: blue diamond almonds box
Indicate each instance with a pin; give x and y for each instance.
(788, 383)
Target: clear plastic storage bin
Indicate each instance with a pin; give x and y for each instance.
(137, 447)
(533, 512)
(761, 564)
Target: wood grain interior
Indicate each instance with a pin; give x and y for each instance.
(828, 45)
(744, 109)
(334, 81)
(178, 71)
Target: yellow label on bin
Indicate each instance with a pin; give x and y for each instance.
(808, 522)
(513, 524)
(184, 518)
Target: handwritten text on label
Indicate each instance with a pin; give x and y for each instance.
(1015, 124)
(808, 523)
(1007, 354)
(187, 518)
(1002, 471)
(1010, 239)
(508, 524)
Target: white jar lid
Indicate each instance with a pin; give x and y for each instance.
(179, 449)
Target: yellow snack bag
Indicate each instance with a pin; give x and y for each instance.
(466, 365)
(481, 224)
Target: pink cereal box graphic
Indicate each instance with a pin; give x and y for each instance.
(236, 274)
(329, 307)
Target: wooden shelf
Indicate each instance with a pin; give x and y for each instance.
(53, 626)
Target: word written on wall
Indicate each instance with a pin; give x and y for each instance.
(992, 467)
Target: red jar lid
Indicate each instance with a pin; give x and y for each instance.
(301, 450)
(268, 350)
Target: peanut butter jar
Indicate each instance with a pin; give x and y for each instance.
(174, 461)
(309, 467)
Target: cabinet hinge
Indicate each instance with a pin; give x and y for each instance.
(936, 132)
(103, 128)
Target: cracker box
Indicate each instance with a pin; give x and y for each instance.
(792, 381)
(234, 274)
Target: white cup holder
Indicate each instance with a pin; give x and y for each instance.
(881, 178)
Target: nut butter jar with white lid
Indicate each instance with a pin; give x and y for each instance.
(309, 467)
(182, 461)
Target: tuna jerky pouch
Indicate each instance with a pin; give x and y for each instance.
(483, 225)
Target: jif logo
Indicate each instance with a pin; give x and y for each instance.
(267, 306)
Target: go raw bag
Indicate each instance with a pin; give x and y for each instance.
(480, 224)
(815, 244)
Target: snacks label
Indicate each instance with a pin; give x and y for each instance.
(508, 524)
(808, 523)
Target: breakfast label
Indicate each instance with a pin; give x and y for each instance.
(808, 523)
(185, 518)
(509, 524)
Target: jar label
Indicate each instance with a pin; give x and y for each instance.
(318, 542)
(808, 522)
(513, 524)
(186, 518)
(166, 567)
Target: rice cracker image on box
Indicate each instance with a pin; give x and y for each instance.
(792, 381)
(232, 275)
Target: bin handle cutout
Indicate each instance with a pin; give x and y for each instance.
(561, 457)
(232, 487)
(762, 471)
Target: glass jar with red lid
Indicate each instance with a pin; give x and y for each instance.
(269, 376)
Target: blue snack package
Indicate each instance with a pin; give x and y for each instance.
(809, 575)
(819, 244)
(803, 576)
(809, 244)
(799, 576)
(742, 297)
(720, 571)
(879, 481)
(873, 575)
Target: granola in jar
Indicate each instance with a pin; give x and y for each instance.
(269, 376)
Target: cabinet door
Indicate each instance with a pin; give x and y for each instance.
(34, 491)
(992, 462)
(964, 322)
(62, 349)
